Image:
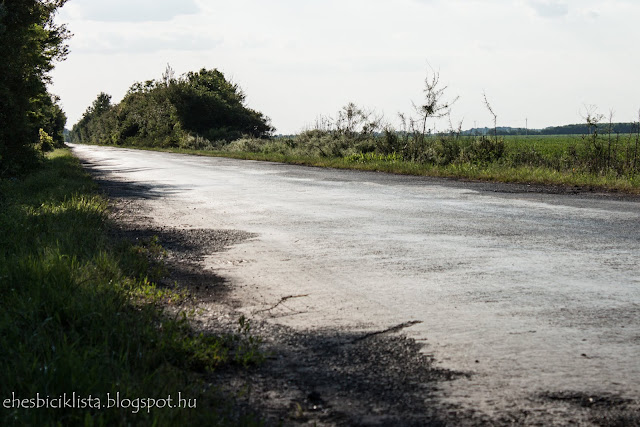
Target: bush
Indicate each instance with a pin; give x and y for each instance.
(45, 143)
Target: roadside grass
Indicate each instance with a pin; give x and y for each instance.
(542, 160)
(80, 314)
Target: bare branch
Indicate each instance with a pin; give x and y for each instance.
(495, 116)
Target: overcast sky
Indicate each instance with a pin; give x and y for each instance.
(541, 60)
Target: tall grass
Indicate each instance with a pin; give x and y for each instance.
(78, 315)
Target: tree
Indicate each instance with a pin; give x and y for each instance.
(171, 111)
(30, 44)
(102, 104)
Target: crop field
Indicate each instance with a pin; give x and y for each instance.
(556, 145)
(545, 144)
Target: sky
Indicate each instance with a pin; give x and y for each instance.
(540, 62)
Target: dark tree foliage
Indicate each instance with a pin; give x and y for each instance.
(168, 112)
(30, 44)
(89, 124)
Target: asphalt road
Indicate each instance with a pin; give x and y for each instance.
(530, 293)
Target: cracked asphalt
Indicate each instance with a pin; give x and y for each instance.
(529, 301)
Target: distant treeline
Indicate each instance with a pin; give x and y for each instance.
(575, 129)
(172, 112)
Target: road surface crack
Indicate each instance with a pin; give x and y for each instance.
(282, 300)
(396, 328)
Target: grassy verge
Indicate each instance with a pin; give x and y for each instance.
(80, 314)
(490, 171)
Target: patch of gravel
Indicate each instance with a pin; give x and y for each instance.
(337, 378)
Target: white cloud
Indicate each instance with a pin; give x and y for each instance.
(133, 10)
(549, 8)
(135, 43)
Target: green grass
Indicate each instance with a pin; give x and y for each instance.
(80, 314)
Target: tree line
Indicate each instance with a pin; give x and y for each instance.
(172, 112)
(31, 119)
(573, 129)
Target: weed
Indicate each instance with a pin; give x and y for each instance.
(247, 348)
